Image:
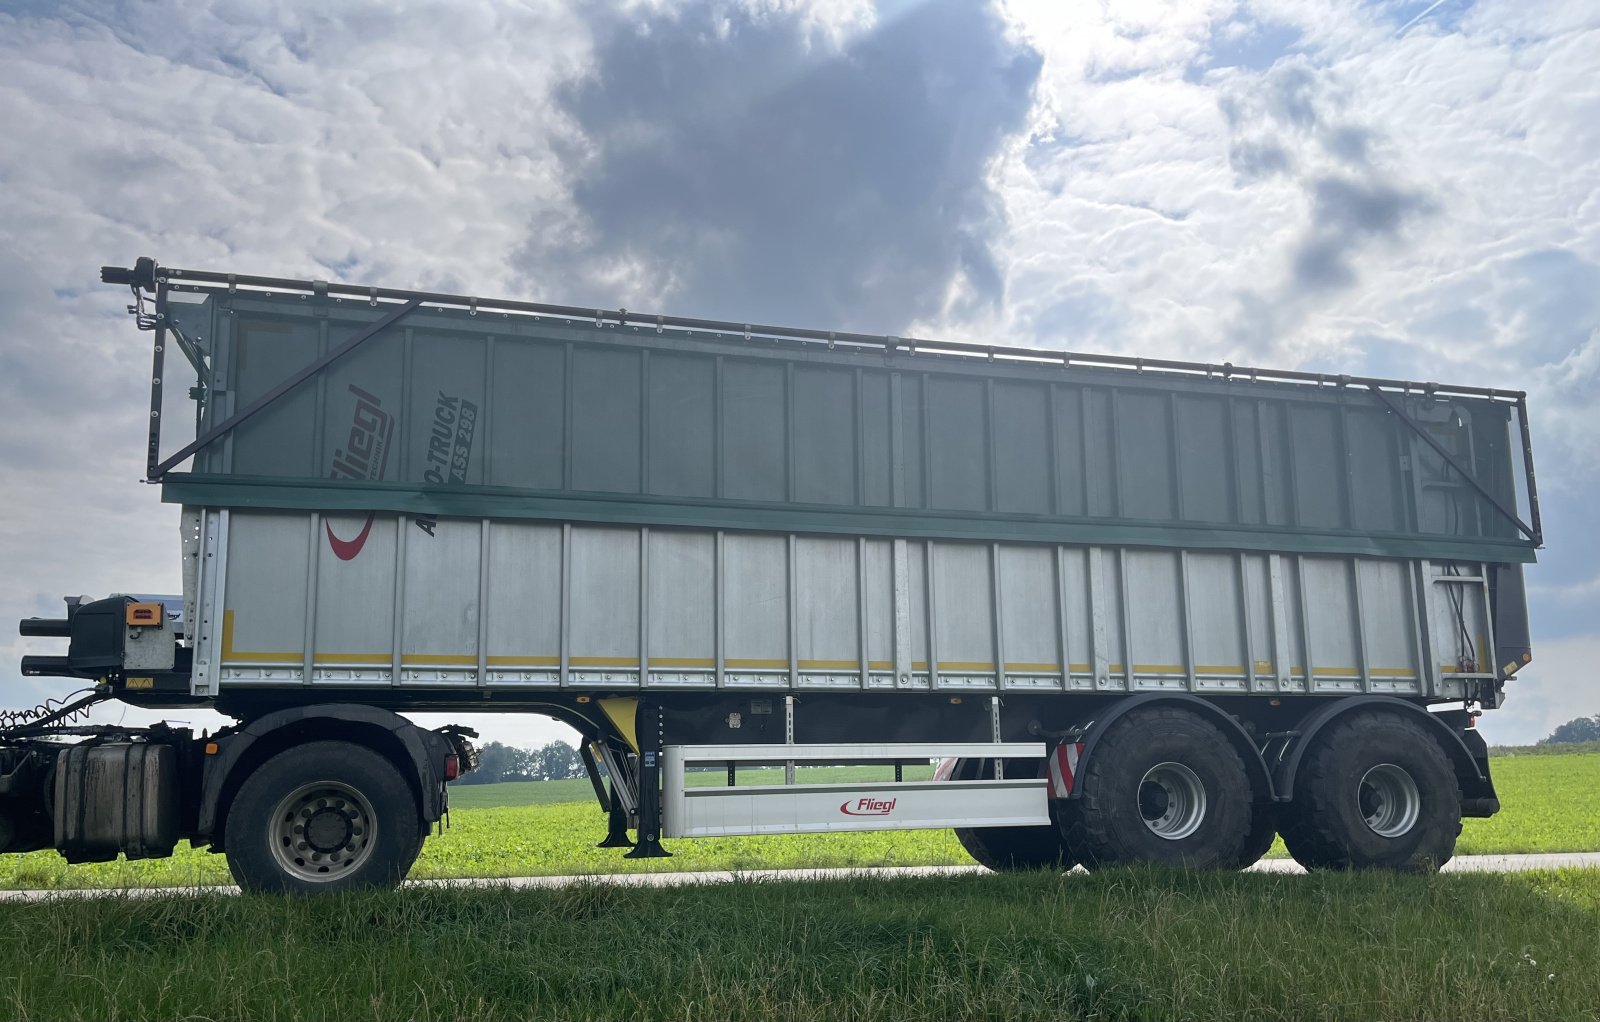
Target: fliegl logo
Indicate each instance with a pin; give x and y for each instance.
(868, 807)
(365, 457)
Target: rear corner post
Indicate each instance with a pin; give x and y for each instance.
(650, 725)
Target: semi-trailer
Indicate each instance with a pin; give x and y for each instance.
(1142, 610)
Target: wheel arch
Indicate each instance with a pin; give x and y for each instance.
(1478, 795)
(417, 753)
(1261, 781)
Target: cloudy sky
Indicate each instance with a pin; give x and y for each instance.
(1405, 189)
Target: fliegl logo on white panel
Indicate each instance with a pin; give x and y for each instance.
(868, 807)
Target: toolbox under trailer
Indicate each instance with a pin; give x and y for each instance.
(1143, 610)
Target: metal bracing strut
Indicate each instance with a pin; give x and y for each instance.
(616, 814)
(1462, 470)
(237, 419)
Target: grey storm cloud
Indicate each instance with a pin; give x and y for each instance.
(1290, 123)
(1349, 143)
(1346, 212)
(1252, 159)
(753, 173)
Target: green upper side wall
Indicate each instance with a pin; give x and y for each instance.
(451, 413)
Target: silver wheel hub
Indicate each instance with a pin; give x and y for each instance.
(322, 831)
(1172, 801)
(1388, 799)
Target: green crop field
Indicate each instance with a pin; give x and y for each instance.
(1118, 944)
(1552, 804)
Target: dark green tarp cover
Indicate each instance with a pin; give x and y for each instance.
(452, 413)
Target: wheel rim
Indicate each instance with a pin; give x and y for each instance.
(1172, 801)
(323, 831)
(1389, 800)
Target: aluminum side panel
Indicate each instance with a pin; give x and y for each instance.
(464, 602)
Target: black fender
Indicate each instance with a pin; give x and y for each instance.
(249, 745)
(1477, 790)
(1261, 782)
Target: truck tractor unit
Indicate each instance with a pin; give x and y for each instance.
(1139, 610)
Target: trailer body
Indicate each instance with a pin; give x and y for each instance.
(704, 542)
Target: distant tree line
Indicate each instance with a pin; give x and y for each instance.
(1579, 729)
(557, 761)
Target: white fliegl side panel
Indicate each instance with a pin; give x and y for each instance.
(716, 811)
(828, 808)
(295, 599)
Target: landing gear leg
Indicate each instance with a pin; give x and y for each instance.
(616, 826)
(649, 726)
(616, 816)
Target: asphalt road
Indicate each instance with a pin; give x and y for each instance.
(668, 877)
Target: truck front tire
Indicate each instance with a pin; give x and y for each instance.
(1165, 787)
(1374, 792)
(320, 817)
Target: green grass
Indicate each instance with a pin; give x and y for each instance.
(519, 793)
(1118, 944)
(1552, 804)
(1549, 803)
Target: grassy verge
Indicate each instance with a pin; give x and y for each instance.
(1551, 805)
(1115, 945)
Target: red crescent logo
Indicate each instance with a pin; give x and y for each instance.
(346, 549)
(868, 807)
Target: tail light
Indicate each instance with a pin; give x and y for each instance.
(452, 767)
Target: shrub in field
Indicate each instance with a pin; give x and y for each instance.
(1579, 729)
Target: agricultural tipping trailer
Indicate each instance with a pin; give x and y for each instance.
(1141, 609)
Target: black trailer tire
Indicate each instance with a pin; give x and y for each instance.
(1162, 786)
(1258, 841)
(322, 817)
(1011, 849)
(1375, 792)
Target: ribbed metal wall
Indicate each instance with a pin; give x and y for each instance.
(517, 604)
(512, 416)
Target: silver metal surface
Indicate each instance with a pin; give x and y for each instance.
(1389, 801)
(1172, 801)
(791, 808)
(507, 603)
(322, 831)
